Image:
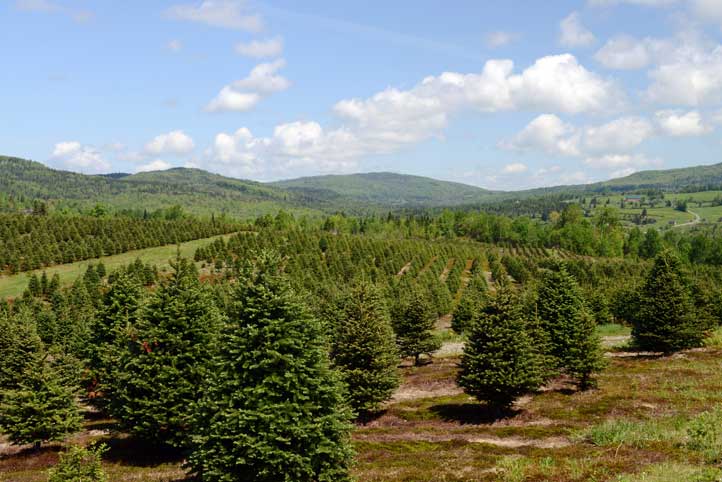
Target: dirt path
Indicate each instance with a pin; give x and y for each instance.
(447, 269)
(490, 281)
(696, 220)
(441, 434)
(403, 270)
(427, 265)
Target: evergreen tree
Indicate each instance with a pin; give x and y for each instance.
(272, 410)
(471, 302)
(34, 285)
(40, 408)
(667, 320)
(54, 284)
(364, 349)
(413, 324)
(20, 347)
(499, 363)
(164, 360)
(570, 328)
(79, 464)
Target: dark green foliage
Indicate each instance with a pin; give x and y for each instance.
(79, 464)
(569, 327)
(667, 319)
(470, 304)
(163, 364)
(364, 349)
(499, 363)
(272, 410)
(413, 323)
(20, 347)
(40, 408)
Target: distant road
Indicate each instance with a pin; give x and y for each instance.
(696, 220)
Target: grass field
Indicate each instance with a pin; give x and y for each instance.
(651, 419)
(12, 286)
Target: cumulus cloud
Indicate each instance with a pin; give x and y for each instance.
(550, 134)
(709, 10)
(243, 95)
(231, 14)
(693, 78)
(272, 47)
(75, 155)
(157, 165)
(620, 162)
(677, 123)
(499, 39)
(625, 53)
(573, 33)
(515, 168)
(174, 142)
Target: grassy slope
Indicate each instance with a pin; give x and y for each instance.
(12, 286)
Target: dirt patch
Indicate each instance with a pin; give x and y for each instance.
(445, 274)
(451, 348)
(403, 270)
(611, 341)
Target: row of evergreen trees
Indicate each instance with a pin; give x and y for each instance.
(30, 242)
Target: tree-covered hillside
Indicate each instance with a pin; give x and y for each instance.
(388, 189)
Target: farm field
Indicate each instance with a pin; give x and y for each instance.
(635, 426)
(14, 285)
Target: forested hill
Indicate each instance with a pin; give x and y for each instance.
(388, 189)
(197, 191)
(700, 177)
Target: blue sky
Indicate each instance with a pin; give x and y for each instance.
(503, 95)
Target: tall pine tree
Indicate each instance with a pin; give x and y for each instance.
(272, 409)
(413, 322)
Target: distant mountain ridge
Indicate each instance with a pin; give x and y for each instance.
(202, 192)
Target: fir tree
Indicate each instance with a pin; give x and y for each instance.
(471, 302)
(40, 408)
(34, 285)
(499, 363)
(20, 347)
(272, 409)
(79, 464)
(570, 329)
(666, 319)
(364, 349)
(163, 363)
(414, 324)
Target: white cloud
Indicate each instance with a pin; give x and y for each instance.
(47, 6)
(547, 133)
(499, 39)
(243, 95)
(263, 79)
(75, 155)
(272, 47)
(515, 168)
(174, 45)
(550, 134)
(709, 10)
(157, 165)
(230, 100)
(618, 135)
(293, 146)
(174, 142)
(393, 119)
(573, 33)
(679, 124)
(621, 161)
(624, 53)
(693, 81)
(229, 14)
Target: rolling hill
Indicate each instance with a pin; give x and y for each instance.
(201, 192)
(388, 189)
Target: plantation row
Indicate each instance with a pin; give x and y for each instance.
(29, 242)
